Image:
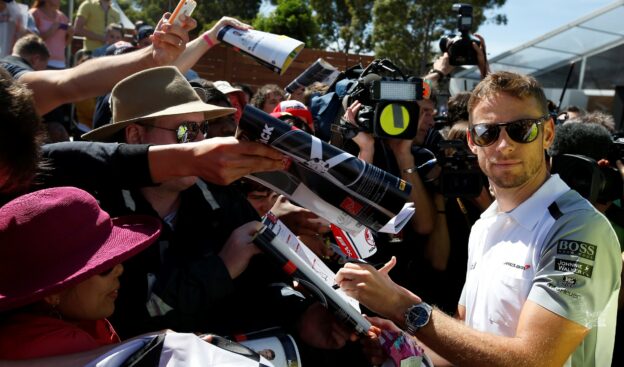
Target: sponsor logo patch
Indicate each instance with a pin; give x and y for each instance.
(577, 248)
(567, 282)
(563, 291)
(518, 266)
(575, 267)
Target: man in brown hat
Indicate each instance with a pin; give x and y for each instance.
(174, 114)
(91, 166)
(196, 280)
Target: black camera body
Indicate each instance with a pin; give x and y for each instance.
(459, 47)
(616, 151)
(460, 175)
(389, 101)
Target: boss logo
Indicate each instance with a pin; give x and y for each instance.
(266, 134)
(577, 248)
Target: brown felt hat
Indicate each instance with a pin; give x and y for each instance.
(157, 92)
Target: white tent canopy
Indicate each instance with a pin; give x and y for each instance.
(577, 41)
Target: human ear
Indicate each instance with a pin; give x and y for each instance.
(53, 300)
(549, 133)
(134, 134)
(471, 145)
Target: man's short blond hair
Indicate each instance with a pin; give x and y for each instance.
(513, 84)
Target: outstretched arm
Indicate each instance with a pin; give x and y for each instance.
(542, 338)
(217, 160)
(92, 165)
(52, 88)
(198, 47)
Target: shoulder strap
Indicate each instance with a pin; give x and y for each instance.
(554, 210)
(128, 200)
(208, 195)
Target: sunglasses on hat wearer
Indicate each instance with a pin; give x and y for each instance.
(187, 131)
(521, 131)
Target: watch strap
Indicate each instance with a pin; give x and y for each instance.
(412, 328)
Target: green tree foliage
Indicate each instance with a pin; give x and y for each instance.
(206, 13)
(345, 24)
(292, 18)
(408, 31)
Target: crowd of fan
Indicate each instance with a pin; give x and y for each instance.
(158, 150)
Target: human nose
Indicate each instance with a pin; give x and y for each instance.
(200, 135)
(504, 142)
(269, 201)
(118, 270)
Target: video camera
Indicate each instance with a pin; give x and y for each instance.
(389, 102)
(459, 47)
(594, 182)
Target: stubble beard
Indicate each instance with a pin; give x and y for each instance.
(510, 180)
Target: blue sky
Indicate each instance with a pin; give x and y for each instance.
(529, 19)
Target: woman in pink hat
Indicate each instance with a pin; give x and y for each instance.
(60, 260)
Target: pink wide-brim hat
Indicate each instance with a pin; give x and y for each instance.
(53, 239)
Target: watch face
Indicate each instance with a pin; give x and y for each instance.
(418, 316)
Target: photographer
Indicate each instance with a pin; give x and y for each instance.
(422, 221)
(401, 157)
(442, 67)
(461, 49)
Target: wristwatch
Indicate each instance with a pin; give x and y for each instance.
(417, 316)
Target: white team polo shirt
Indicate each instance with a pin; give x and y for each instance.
(564, 256)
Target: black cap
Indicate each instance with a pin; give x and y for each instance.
(144, 31)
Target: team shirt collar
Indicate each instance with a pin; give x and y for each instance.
(529, 212)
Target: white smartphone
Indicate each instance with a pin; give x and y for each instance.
(184, 7)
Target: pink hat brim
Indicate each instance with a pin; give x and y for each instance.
(129, 236)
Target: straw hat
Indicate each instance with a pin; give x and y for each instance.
(161, 91)
(53, 239)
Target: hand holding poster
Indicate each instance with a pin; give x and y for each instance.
(297, 260)
(271, 50)
(328, 181)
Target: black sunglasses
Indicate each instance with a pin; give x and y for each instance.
(186, 131)
(521, 131)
